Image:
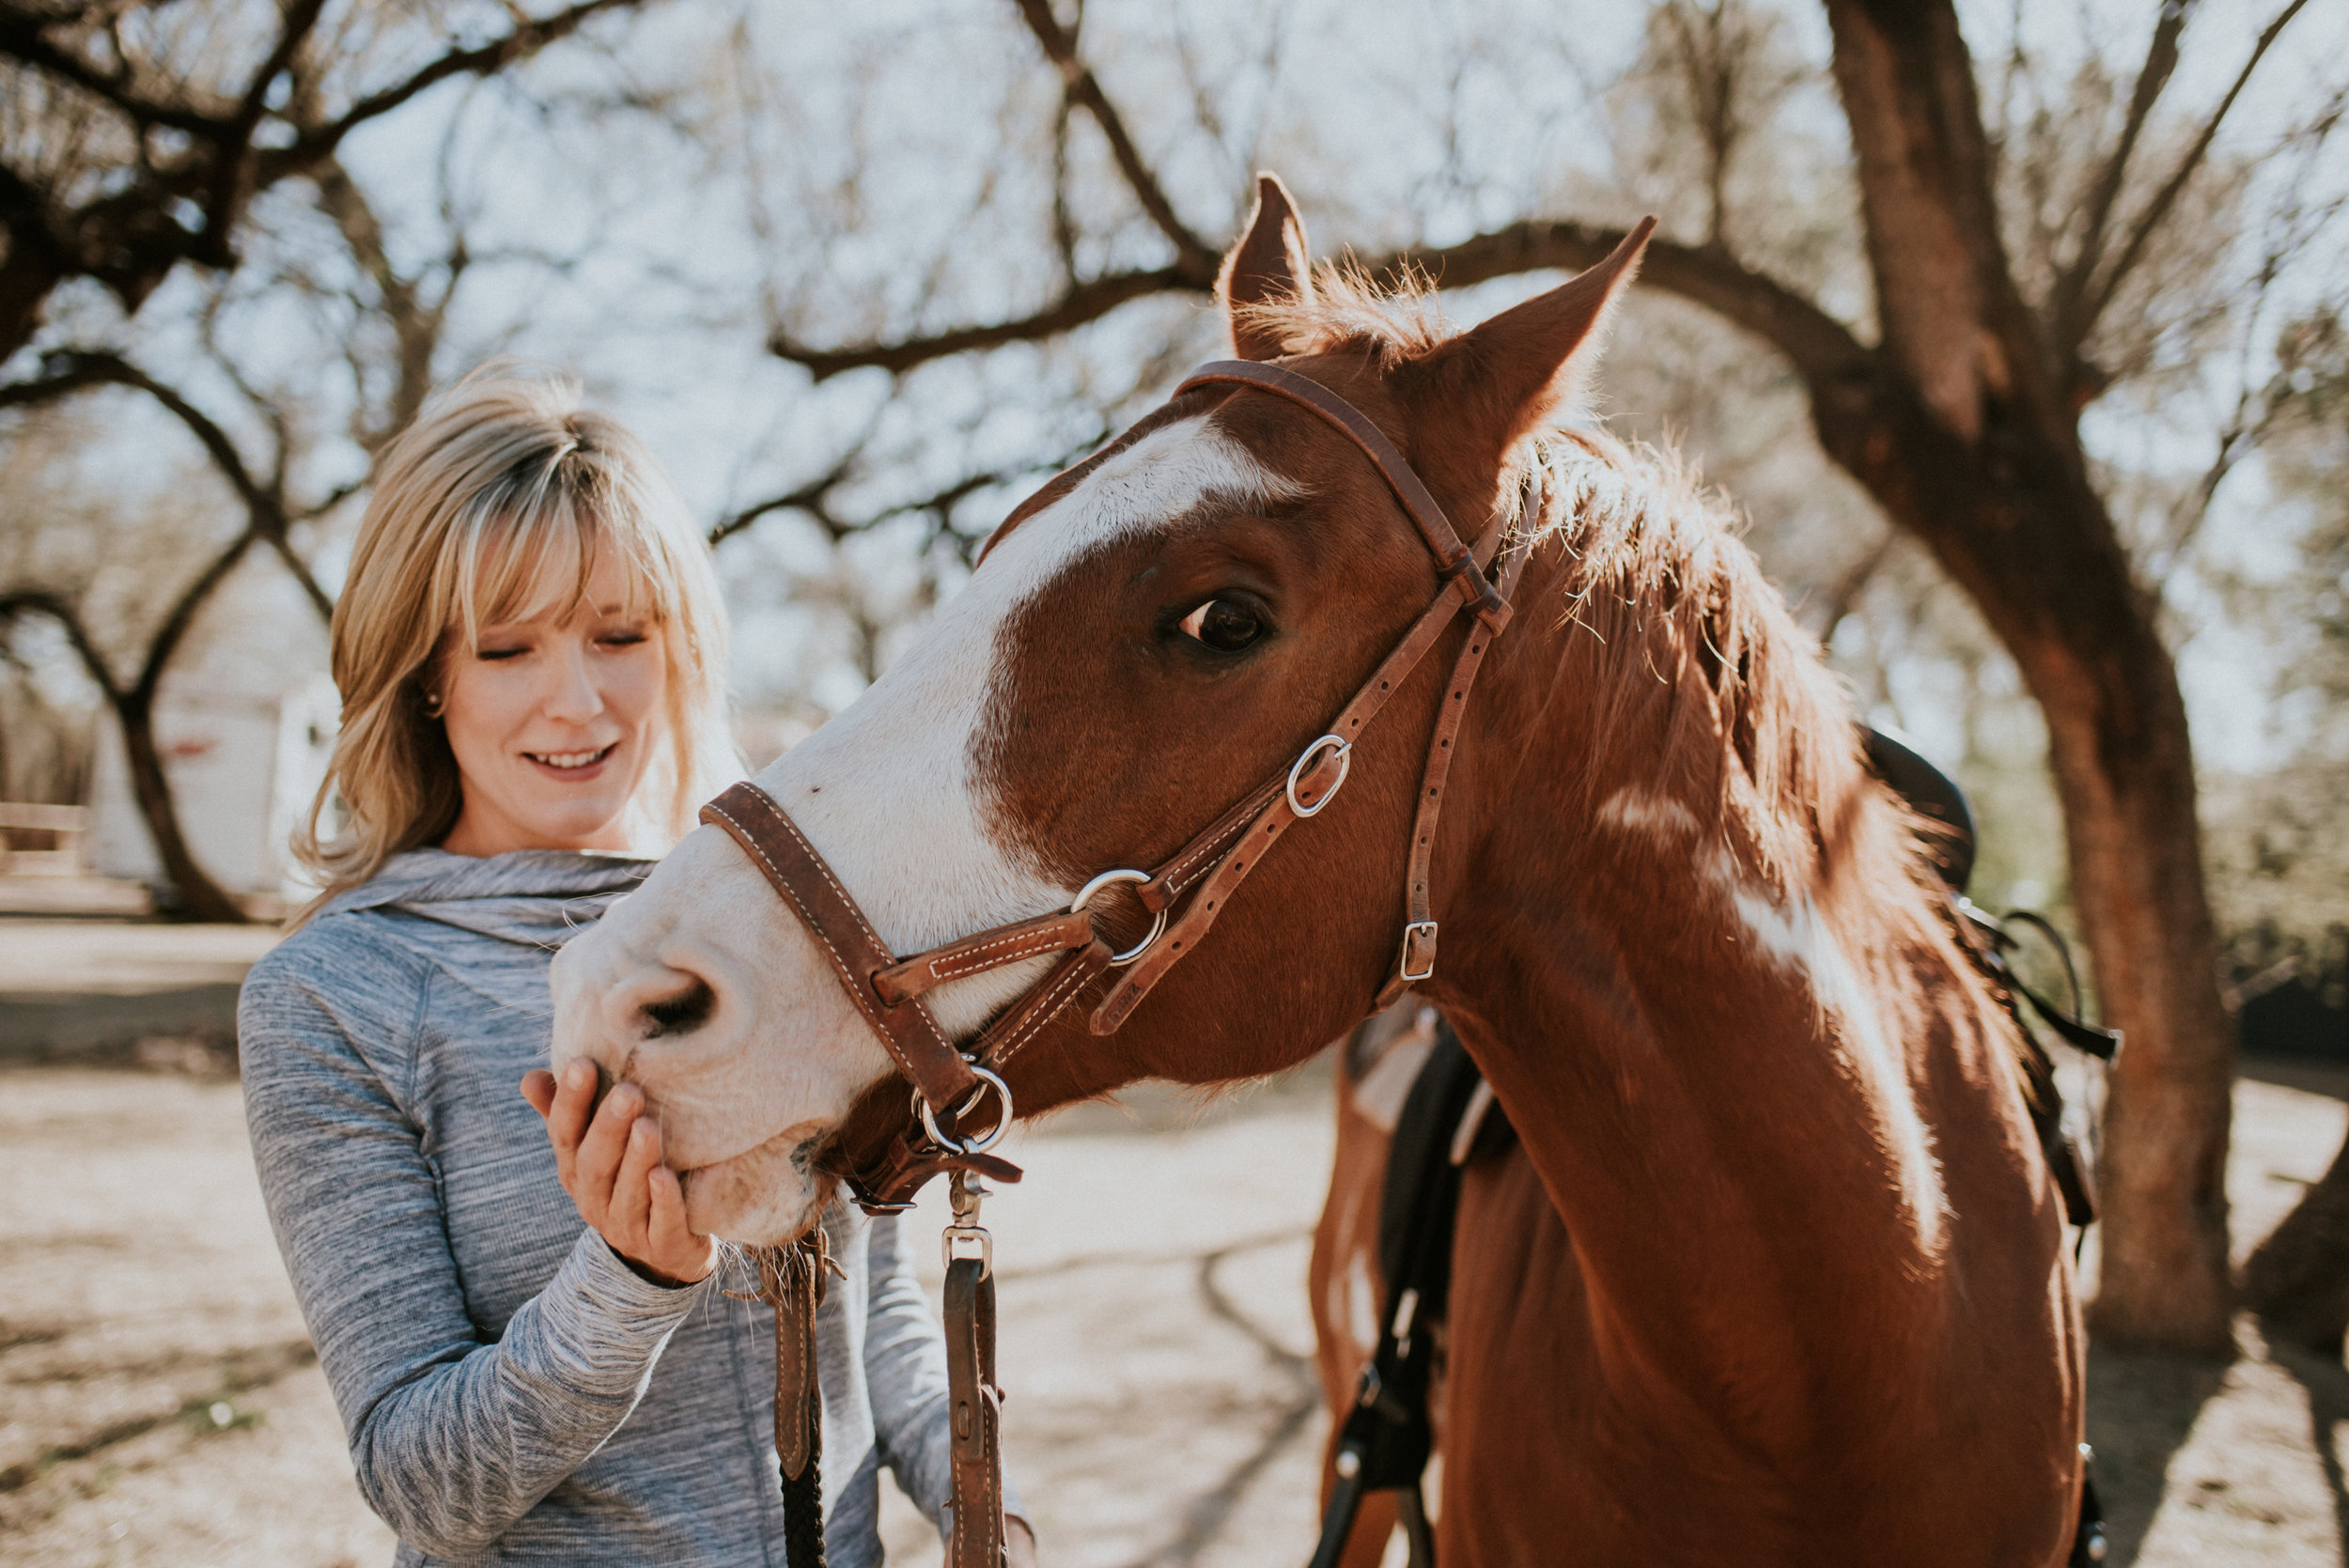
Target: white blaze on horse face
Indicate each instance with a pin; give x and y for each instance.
(1799, 939)
(889, 794)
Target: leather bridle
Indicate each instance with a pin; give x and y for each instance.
(1183, 897)
(950, 1083)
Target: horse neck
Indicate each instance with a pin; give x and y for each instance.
(1700, 1033)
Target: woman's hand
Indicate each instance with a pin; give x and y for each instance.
(610, 1166)
(1018, 1545)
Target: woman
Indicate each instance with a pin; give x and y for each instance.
(528, 1344)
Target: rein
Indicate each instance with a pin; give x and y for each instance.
(1183, 897)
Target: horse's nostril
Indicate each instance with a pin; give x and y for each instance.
(682, 1013)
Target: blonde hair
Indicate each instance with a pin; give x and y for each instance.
(500, 499)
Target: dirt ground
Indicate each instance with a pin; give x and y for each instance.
(160, 1404)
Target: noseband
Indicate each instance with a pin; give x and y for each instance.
(950, 1084)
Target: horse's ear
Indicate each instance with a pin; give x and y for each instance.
(1530, 363)
(1270, 265)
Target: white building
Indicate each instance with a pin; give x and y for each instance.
(243, 770)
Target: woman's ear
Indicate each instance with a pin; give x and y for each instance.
(1270, 265)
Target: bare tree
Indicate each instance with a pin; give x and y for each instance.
(138, 136)
(269, 519)
(1958, 410)
(295, 226)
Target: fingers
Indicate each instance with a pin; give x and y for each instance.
(690, 1255)
(609, 1158)
(566, 1116)
(597, 1159)
(632, 1190)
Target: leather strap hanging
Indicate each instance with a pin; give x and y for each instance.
(791, 1280)
(976, 1405)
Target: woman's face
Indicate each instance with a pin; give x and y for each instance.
(554, 721)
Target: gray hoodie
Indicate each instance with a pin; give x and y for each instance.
(513, 1393)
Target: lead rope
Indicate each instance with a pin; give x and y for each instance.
(791, 1280)
(973, 1397)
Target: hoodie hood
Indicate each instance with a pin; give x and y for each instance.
(537, 897)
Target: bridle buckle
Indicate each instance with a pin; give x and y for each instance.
(1307, 759)
(1413, 935)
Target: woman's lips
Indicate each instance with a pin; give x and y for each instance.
(572, 767)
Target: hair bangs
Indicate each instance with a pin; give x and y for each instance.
(500, 504)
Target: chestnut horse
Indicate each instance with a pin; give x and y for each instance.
(1819, 1311)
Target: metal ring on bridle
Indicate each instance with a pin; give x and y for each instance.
(969, 1145)
(1305, 759)
(1157, 923)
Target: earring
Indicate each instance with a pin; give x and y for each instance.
(433, 705)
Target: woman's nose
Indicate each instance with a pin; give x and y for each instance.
(574, 697)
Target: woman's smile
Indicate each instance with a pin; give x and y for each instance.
(573, 766)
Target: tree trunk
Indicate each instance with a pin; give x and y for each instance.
(2298, 1279)
(2010, 516)
(1959, 426)
(198, 896)
(2124, 772)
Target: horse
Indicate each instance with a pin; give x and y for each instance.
(1817, 1307)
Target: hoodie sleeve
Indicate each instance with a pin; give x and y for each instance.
(454, 1436)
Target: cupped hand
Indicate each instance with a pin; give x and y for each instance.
(609, 1158)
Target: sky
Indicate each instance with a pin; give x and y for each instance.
(674, 270)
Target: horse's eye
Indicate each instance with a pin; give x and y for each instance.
(1225, 627)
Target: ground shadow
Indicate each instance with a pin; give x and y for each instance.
(2141, 1403)
(2327, 1384)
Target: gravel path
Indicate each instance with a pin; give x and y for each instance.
(160, 1404)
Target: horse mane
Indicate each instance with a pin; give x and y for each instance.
(1683, 633)
(1351, 312)
(1673, 636)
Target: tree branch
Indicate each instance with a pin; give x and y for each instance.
(182, 615)
(2165, 198)
(1818, 344)
(2161, 59)
(69, 372)
(40, 601)
(528, 37)
(24, 36)
(1193, 256)
(1078, 304)
(807, 498)
(235, 135)
(1844, 592)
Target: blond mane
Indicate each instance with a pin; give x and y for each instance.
(1674, 631)
(1353, 312)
